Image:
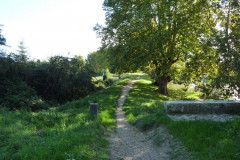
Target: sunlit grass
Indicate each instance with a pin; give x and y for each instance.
(204, 139)
(63, 132)
(180, 92)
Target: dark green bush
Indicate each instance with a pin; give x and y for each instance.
(62, 79)
(20, 96)
(58, 80)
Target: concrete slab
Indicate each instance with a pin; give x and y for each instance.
(202, 107)
(206, 117)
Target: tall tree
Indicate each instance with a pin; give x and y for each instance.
(2, 39)
(22, 51)
(98, 60)
(228, 45)
(156, 33)
(216, 60)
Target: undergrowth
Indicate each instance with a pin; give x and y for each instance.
(63, 132)
(204, 139)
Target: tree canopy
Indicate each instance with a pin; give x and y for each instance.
(228, 45)
(98, 61)
(155, 33)
(22, 52)
(171, 36)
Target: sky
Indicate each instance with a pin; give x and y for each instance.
(52, 27)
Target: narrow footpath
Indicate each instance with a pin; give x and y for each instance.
(128, 143)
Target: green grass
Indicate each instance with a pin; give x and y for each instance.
(113, 79)
(62, 132)
(180, 92)
(206, 140)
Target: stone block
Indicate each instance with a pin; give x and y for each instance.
(202, 107)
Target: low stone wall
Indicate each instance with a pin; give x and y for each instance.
(202, 107)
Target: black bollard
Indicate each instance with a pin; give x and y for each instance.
(94, 109)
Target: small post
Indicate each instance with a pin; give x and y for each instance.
(94, 109)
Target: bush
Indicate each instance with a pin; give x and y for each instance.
(20, 96)
(99, 85)
(60, 79)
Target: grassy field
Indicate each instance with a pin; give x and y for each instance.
(62, 132)
(206, 140)
(69, 132)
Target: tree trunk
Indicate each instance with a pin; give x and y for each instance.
(162, 85)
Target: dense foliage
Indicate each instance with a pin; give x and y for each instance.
(214, 63)
(228, 45)
(185, 41)
(102, 60)
(27, 84)
(98, 61)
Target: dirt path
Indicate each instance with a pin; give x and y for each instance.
(128, 143)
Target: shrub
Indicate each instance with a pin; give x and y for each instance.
(20, 96)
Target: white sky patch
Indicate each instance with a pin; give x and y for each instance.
(61, 27)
